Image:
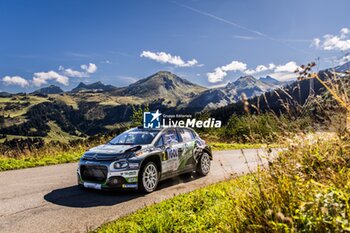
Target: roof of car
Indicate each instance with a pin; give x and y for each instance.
(162, 128)
(142, 128)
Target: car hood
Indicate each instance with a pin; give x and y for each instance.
(109, 152)
(112, 149)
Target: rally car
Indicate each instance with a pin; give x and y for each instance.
(140, 157)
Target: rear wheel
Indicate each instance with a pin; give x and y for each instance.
(149, 178)
(203, 166)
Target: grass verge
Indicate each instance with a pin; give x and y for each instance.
(237, 146)
(40, 160)
(57, 157)
(306, 189)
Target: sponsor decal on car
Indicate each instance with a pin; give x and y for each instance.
(172, 160)
(133, 165)
(124, 174)
(130, 173)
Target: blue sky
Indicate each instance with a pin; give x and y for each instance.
(207, 42)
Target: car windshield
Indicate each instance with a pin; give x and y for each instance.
(135, 137)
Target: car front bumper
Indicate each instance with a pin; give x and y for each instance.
(101, 176)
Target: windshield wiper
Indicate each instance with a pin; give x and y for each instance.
(115, 144)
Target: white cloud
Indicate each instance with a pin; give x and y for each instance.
(272, 66)
(344, 31)
(259, 69)
(249, 72)
(221, 72)
(90, 68)
(217, 76)
(288, 67)
(285, 71)
(86, 71)
(234, 66)
(334, 42)
(163, 57)
(75, 73)
(15, 80)
(316, 42)
(41, 78)
(62, 76)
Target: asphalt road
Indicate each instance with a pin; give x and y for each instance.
(47, 199)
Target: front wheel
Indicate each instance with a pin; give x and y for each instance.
(203, 166)
(149, 178)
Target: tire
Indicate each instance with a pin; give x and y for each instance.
(149, 177)
(203, 166)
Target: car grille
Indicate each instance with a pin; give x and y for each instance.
(104, 157)
(96, 173)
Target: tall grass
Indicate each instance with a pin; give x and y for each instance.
(306, 189)
(41, 159)
(48, 154)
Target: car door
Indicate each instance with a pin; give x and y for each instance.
(173, 150)
(187, 160)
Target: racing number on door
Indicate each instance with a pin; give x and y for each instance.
(172, 152)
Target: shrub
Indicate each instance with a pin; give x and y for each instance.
(263, 128)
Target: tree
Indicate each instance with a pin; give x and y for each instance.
(137, 115)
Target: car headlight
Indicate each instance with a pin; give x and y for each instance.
(120, 164)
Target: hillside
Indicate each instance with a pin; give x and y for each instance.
(52, 89)
(343, 68)
(163, 85)
(5, 94)
(288, 99)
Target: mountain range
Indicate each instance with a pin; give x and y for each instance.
(88, 109)
(232, 92)
(174, 91)
(269, 80)
(93, 87)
